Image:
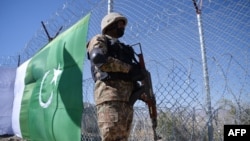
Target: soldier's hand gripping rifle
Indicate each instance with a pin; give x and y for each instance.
(148, 95)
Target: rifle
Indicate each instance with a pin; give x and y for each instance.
(148, 95)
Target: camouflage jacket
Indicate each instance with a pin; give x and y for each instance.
(112, 90)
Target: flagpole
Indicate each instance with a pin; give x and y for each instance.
(205, 73)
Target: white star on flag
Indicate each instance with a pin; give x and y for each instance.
(57, 72)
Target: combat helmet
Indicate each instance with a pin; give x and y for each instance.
(111, 18)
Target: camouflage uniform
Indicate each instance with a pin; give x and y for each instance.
(114, 113)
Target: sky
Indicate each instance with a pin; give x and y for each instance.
(20, 19)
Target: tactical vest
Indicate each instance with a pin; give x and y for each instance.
(118, 51)
(121, 52)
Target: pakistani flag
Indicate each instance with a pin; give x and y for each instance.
(48, 89)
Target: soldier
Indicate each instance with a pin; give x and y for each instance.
(115, 72)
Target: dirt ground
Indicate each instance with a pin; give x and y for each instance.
(10, 138)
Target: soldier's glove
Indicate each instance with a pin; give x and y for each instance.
(136, 73)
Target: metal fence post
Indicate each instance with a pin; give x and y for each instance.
(205, 73)
(110, 6)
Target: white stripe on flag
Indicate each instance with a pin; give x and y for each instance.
(18, 94)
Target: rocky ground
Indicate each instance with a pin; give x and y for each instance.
(10, 138)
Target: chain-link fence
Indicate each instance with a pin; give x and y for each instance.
(168, 33)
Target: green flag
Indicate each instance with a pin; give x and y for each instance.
(51, 105)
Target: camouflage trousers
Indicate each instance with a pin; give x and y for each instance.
(114, 120)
